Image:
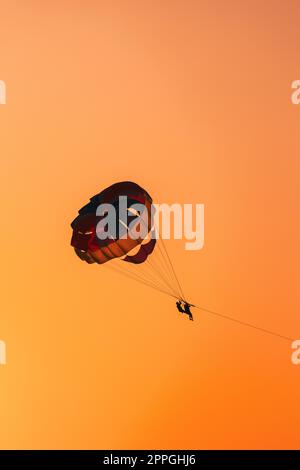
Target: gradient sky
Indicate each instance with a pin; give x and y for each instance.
(192, 100)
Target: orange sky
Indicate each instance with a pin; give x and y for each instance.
(192, 101)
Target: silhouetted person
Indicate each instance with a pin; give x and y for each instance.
(188, 311)
(179, 307)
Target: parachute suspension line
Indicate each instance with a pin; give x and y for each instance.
(131, 275)
(136, 278)
(138, 275)
(173, 269)
(166, 275)
(170, 275)
(161, 282)
(131, 272)
(168, 269)
(145, 269)
(139, 270)
(155, 283)
(240, 322)
(151, 272)
(161, 274)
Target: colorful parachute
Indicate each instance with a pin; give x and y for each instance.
(93, 250)
(157, 272)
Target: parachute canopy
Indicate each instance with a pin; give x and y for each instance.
(85, 240)
(93, 243)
